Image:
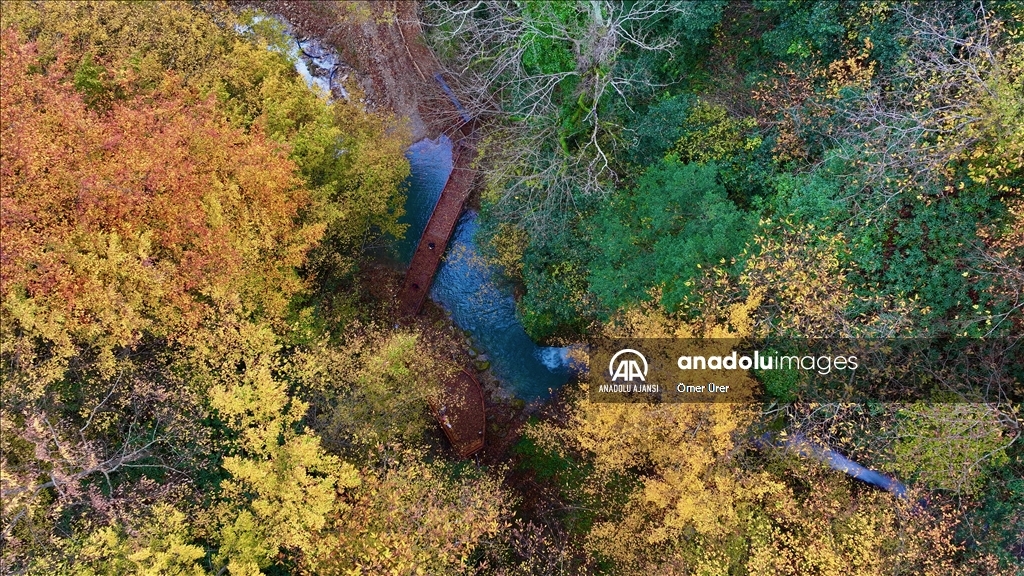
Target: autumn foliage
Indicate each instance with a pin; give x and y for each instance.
(175, 202)
(139, 220)
(201, 372)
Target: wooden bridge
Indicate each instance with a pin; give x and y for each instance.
(390, 51)
(439, 228)
(460, 410)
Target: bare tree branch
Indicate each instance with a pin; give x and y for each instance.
(551, 141)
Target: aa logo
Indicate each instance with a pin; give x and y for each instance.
(627, 368)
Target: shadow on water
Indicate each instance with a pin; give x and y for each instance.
(468, 287)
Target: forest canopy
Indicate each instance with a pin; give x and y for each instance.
(202, 367)
(183, 222)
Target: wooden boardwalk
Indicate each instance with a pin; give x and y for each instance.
(460, 412)
(438, 232)
(405, 76)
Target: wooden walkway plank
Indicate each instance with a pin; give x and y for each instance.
(460, 412)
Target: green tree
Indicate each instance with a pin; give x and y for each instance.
(674, 223)
(952, 446)
(562, 72)
(374, 388)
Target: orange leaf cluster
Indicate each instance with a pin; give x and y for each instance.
(141, 216)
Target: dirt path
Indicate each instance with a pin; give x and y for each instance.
(382, 40)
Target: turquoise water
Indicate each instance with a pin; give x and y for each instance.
(430, 162)
(470, 289)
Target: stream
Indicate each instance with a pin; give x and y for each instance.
(801, 446)
(472, 290)
(465, 285)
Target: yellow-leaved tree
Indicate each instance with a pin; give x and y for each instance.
(377, 508)
(681, 488)
(680, 454)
